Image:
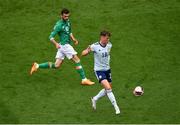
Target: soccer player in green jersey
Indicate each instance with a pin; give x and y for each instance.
(63, 29)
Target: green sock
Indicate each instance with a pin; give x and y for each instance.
(80, 70)
(47, 65)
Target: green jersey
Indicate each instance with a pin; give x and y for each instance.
(63, 29)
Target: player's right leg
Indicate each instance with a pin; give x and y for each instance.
(80, 71)
(100, 75)
(97, 97)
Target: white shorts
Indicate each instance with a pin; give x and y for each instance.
(65, 50)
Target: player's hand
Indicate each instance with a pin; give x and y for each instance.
(84, 53)
(57, 46)
(76, 42)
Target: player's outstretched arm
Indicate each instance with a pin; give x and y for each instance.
(53, 34)
(74, 39)
(86, 51)
(55, 43)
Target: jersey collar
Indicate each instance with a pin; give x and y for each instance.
(65, 21)
(102, 45)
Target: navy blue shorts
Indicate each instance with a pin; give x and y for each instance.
(101, 75)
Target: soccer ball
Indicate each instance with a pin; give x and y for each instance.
(138, 91)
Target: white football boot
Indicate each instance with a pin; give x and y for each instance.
(117, 109)
(93, 103)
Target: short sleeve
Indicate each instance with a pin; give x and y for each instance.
(92, 47)
(56, 29)
(109, 46)
(70, 30)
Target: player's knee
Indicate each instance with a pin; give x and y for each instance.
(108, 90)
(76, 59)
(57, 65)
(78, 65)
(106, 84)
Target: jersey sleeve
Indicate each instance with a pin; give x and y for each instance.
(92, 47)
(57, 28)
(70, 30)
(109, 46)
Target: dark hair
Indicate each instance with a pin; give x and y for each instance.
(64, 11)
(105, 33)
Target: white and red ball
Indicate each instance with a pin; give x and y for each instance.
(138, 91)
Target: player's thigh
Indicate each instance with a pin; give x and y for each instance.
(106, 84)
(100, 75)
(60, 55)
(108, 76)
(70, 53)
(58, 62)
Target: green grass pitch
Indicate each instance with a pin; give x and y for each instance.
(146, 52)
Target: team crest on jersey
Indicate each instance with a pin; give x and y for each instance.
(67, 28)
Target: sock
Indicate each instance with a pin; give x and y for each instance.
(100, 94)
(111, 97)
(47, 65)
(80, 70)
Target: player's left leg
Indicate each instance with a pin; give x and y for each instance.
(110, 95)
(46, 65)
(59, 59)
(81, 72)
